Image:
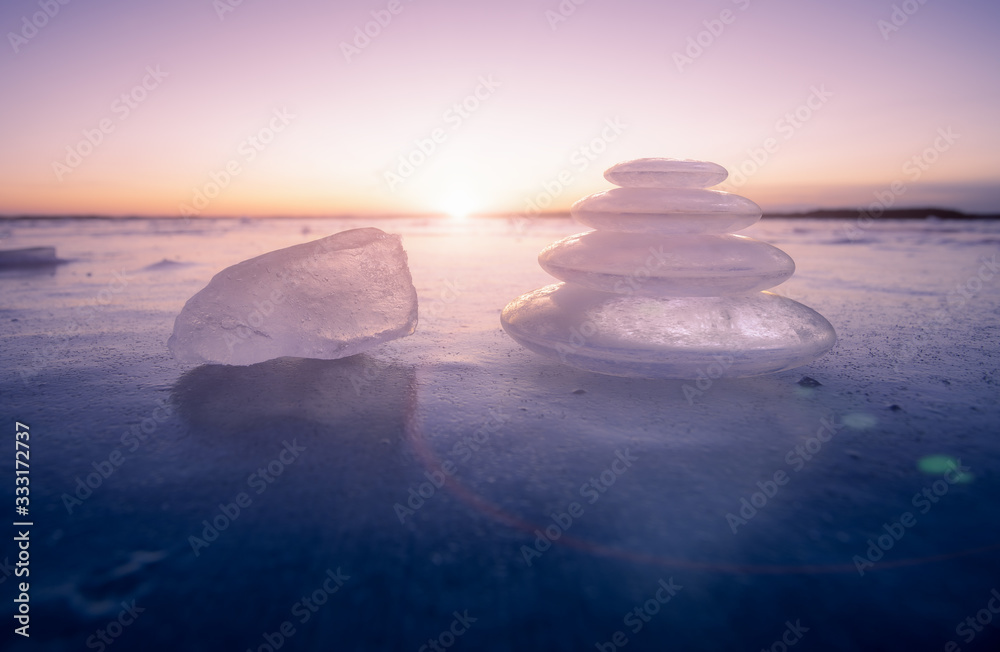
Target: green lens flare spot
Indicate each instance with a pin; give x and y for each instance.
(859, 421)
(941, 464)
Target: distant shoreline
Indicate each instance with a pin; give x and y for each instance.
(834, 213)
(890, 214)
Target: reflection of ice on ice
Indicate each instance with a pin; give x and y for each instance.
(349, 397)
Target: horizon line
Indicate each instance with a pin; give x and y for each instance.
(917, 212)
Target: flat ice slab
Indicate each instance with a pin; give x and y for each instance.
(29, 257)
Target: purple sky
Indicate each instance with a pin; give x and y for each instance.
(268, 108)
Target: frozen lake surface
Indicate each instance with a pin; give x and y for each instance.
(453, 487)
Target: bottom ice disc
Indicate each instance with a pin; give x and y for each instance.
(674, 337)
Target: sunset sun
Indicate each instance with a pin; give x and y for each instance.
(458, 206)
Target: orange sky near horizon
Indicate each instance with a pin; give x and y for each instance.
(219, 108)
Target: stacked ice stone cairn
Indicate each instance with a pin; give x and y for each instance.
(662, 288)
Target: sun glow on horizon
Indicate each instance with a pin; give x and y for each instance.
(459, 206)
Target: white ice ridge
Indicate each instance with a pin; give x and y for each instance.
(327, 299)
(662, 289)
